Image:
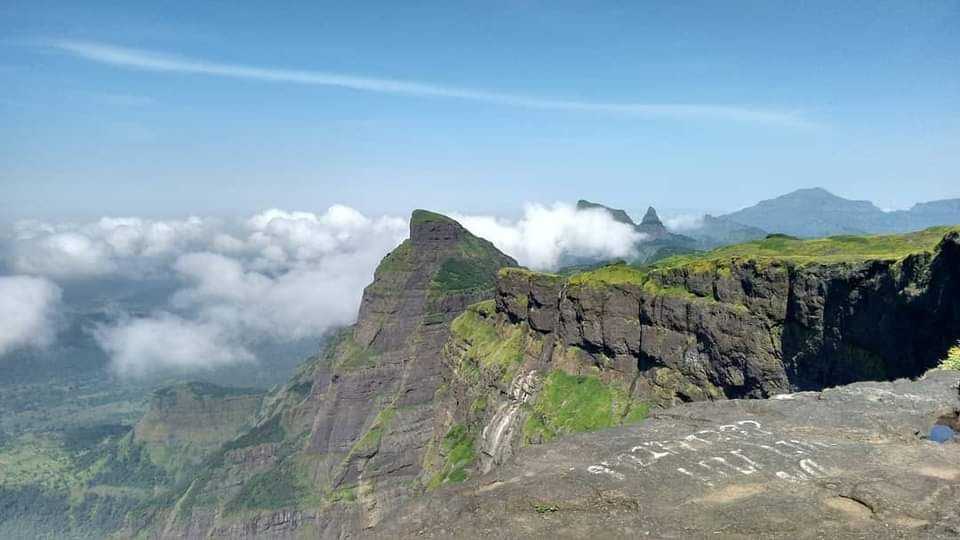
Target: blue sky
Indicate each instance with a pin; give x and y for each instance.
(167, 108)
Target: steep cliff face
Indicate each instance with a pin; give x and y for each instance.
(345, 440)
(555, 355)
(751, 326)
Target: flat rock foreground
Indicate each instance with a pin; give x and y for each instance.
(848, 462)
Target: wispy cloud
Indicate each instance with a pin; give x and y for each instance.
(163, 62)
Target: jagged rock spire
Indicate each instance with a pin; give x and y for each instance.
(651, 217)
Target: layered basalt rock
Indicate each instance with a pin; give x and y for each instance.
(749, 328)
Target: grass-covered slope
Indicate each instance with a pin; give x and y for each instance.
(577, 403)
(508, 387)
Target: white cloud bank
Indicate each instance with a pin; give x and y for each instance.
(166, 342)
(27, 312)
(162, 62)
(129, 246)
(545, 234)
(277, 276)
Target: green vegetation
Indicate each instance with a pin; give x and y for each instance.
(398, 260)
(267, 432)
(473, 268)
(952, 361)
(610, 274)
(426, 216)
(459, 455)
(203, 390)
(545, 508)
(352, 356)
(845, 248)
(526, 273)
(575, 403)
(774, 248)
(215, 391)
(80, 483)
(343, 494)
(487, 345)
(491, 348)
(277, 487)
(462, 275)
(370, 441)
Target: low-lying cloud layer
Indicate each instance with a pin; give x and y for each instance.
(277, 276)
(545, 234)
(27, 312)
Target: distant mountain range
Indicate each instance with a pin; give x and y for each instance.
(816, 212)
(805, 213)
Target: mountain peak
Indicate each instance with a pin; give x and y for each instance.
(651, 217)
(617, 214)
(814, 193)
(810, 213)
(430, 227)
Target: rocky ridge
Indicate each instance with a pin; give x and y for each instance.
(345, 440)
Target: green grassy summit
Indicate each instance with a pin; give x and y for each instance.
(778, 248)
(426, 216)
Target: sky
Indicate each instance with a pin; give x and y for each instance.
(165, 109)
(246, 165)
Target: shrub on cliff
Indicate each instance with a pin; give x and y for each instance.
(952, 361)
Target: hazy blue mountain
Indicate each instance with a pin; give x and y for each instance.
(816, 212)
(929, 214)
(715, 232)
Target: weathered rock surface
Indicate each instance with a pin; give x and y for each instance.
(848, 462)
